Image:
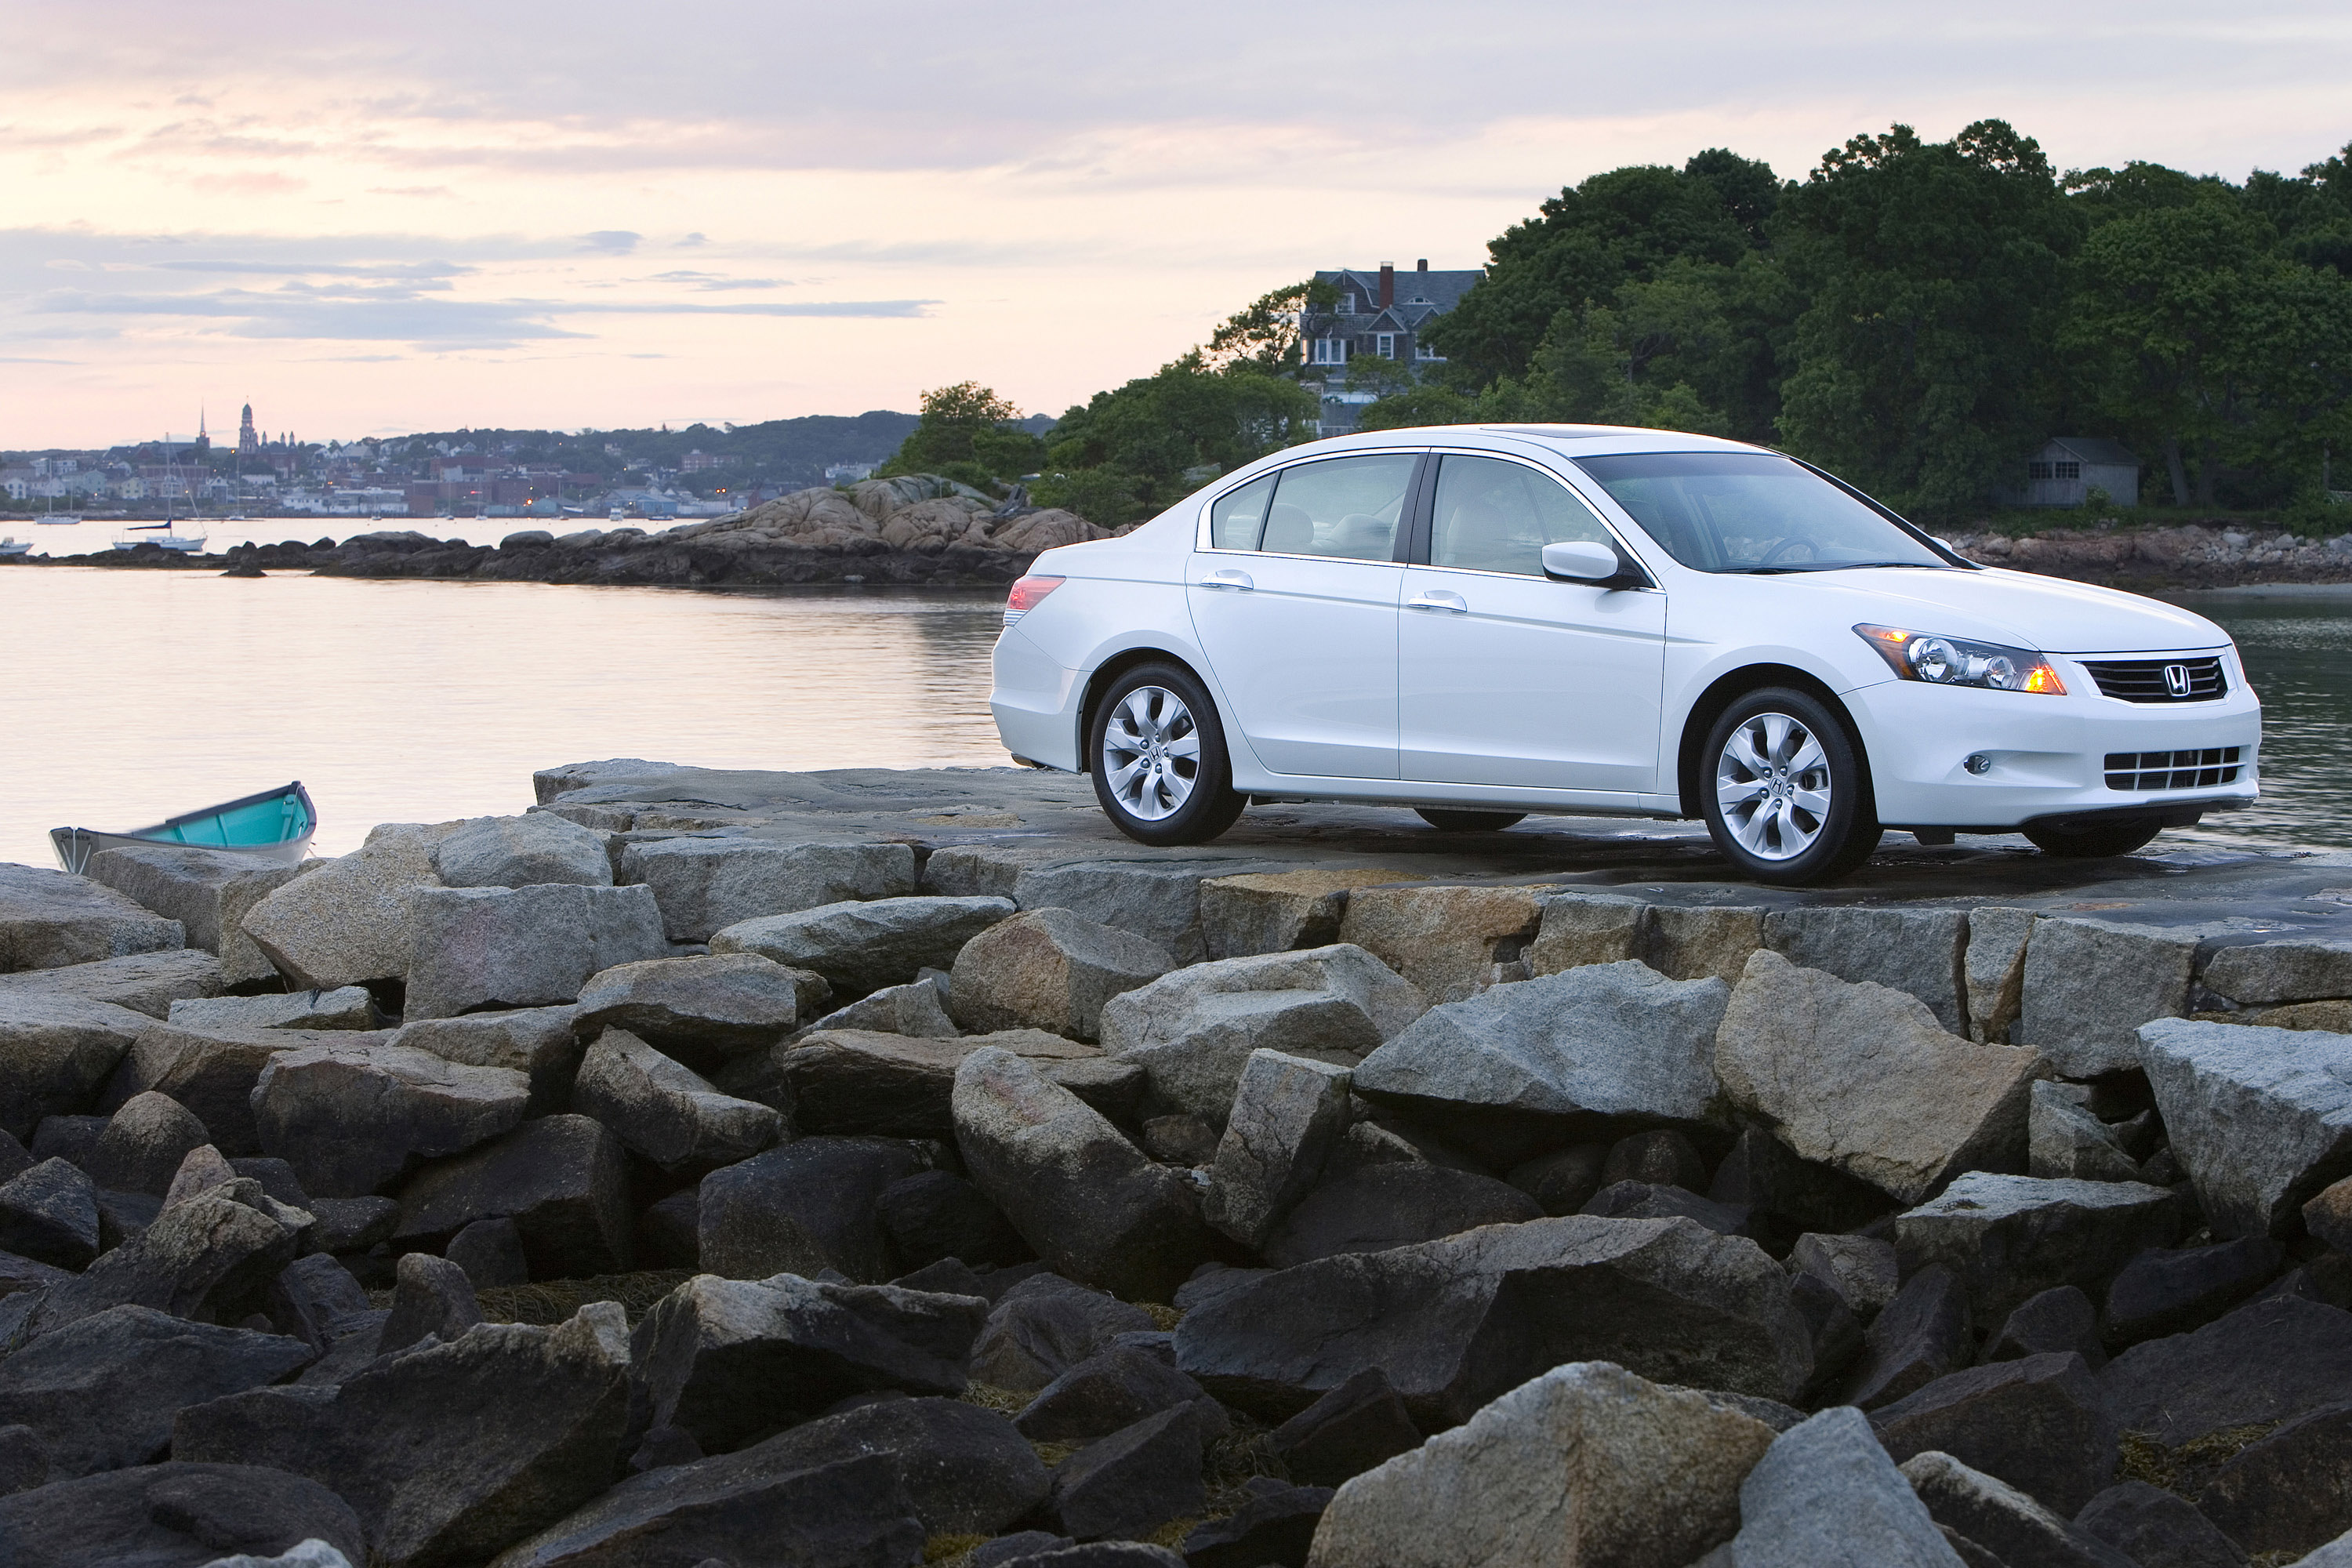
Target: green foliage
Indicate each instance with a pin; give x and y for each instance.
(1428, 404)
(1139, 439)
(967, 430)
(1264, 336)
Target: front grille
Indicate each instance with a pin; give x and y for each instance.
(2147, 681)
(2172, 770)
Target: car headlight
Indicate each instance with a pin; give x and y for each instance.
(1957, 661)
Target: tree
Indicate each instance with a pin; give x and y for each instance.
(968, 433)
(1264, 336)
(1164, 435)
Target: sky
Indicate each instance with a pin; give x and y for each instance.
(372, 219)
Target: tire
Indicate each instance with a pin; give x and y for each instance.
(2093, 843)
(1800, 809)
(1157, 752)
(1467, 821)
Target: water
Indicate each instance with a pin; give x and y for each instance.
(220, 534)
(136, 694)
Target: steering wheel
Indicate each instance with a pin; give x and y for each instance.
(1789, 544)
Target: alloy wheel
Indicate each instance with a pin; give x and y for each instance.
(1772, 783)
(1151, 753)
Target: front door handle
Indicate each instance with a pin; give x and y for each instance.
(1439, 599)
(1228, 577)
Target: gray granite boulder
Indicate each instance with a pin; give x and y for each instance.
(2263, 973)
(1288, 1114)
(706, 1011)
(896, 1086)
(1278, 911)
(917, 1009)
(520, 852)
(2090, 985)
(1049, 969)
(1111, 1389)
(1043, 1326)
(346, 920)
(1908, 950)
(2260, 1118)
(144, 1142)
(48, 1214)
(1580, 927)
(349, 1007)
(704, 885)
(862, 946)
(521, 947)
(1132, 1482)
(1861, 1268)
(1447, 941)
(1826, 1495)
(354, 1120)
(2041, 1423)
(48, 918)
(208, 891)
(810, 1206)
(179, 1515)
(56, 1053)
(537, 1042)
(1691, 942)
(212, 1071)
(2003, 1519)
(2063, 1139)
(209, 1260)
(563, 1180)
(666, 1111)
(2269, 1362)
(145, 983)
(1993, 968)
(2009, 1237)
(1382, 1206)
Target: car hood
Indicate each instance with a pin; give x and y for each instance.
(2047, 613)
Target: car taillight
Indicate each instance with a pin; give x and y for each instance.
(1029, 593)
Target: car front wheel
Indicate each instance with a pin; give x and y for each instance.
(1160, 765)
(1785, 791)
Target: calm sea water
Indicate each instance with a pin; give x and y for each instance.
(133, 696)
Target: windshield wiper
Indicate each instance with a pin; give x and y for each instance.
(1837, 566)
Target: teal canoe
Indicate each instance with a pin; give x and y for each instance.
(275, 825)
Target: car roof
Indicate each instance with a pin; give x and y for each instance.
(1568, 440)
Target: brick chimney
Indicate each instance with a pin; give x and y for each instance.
(1388, 284)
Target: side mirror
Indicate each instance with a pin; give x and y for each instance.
(1582, 561)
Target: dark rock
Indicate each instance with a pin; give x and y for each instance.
(850, 1081)
(2009, 1237)
(1133, 1481)
(948, 1277)
(212, 1071)
(311, 1296)
(1763, 1174)
(50, 1213)
(1649, 1200)
(143, 1143)
(102, 1392)
(1829, 1324)
(353, 1224)
(431, 1296)
(561, 1179)
(1180, 1140)
(862, 945)
(1025, 1545)
(23, 1275)
(807, 1206)
(1381, 1206)
(1269, 1532)
(1921, 1335)
(67, 1138)
(2287, 1490)
(209, 1260)
(23, 1462)
(2170, 1292)
(2157, 1529)
(2052, 1323)
(174, 1515)
(201, 1170)
(669, 1233)
(2268, 1361)
(1108, 1391)
(1662, 1157)
(15, 1158)
(1361, 1423)
(490, 1253)
(450, 1452)
(354, 1120)
(277, 1178)
(704, 1011)
(1862, 1269)
(55, 1054)
(125, 1217)
(1563, 1179)
(966, 1472)
(730, 1360)
(1043, 1327)
(1096, 1554)
(935, 1214)
(2038, 1423)
(536, 1042)
(2019, 1531)
(666, 1112)
(144, 982)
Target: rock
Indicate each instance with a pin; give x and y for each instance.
(346, 922)
(1110, 1390)
(1789, 1195)
(669, 1233)
(2009, 1237)
(2090, 985)
(174, 1515)
(1826, 1495)
(1861, 1078)
(933, 1214)
(917, 1010)
(1661, 1157)
(1860, 1269)
(2039, 1423)
(1133, 1481)
(1278, 911)
(1090, 1203)
(1159, 901)
(2270, 1360)
(146, 983)
(312, 1297)
(50, 1213)
(804, 1208)
(2329, 1217)
(728, 1360)
(1382, 1206)
(1043, 1327)
(859, 1082)
(1446, 940)
(277, 1178)
(520, 852)
(1287, 1113)
(15, 1158)
(2170, 1292)
(1359, 1424)
(143, 1144)
(1586, 1463)
(1454, 1322)
(209, 1260)
(2260, 1118)
(536, 1042)
(522, 947)
(23, 1462)
(101, 1393)
(2285, 1490)
(1921, 1334)
(1194, 1030)
(353, 1224)
(966, 1470)
(561, 1180)
(2298, 970)
(1692, 944)
(48, 920)
(431, 1296)
(1563, 1181)
(352, 1120)
(666, 1111)
(2058, 1321)
(2336, 1554)
(68, 1138)
(55, 1054)
(704, 885)
(213, 1072)
(208, 891)
(1049, 969)
(1649, 1200)
(705, 1011)
(1179, 1139)
(860, 947)
(1994, 969)
(1999, 1517)
(450, 1452)
(1276, 1527)
(1578, 929)
(1917, 952)
(352, 1008)
(2156, 1529)
(2064, 1139)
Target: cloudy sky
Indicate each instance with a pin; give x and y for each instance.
(370, 220)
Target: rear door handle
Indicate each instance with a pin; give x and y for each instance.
(1227, 577)
(1439, 599)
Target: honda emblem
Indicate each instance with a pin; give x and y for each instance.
(2175, 680)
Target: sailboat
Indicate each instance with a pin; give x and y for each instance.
(172, 539)
(58, 519)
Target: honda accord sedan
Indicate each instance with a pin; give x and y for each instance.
(1482, 622)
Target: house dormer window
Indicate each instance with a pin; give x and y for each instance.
(1346, 303)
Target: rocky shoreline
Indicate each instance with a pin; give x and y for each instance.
(737, 1169)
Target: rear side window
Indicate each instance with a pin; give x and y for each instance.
(1346, 508)
(1235, 520)
(1494, 515)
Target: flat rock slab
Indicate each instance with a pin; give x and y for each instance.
(175, 1515)
(704, 885)
(208, 891)
(352, 1120)
(212, 1071)
(473, 948)
(2010, 1238)
(866, 1081)
(2260, 1118)
(145, 983)
(48, 918)
(863, 946)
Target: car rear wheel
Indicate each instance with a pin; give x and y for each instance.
(1785, 791)
(1467, 821)
(2095, 843)
(1161, 771)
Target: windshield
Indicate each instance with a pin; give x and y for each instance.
(1751, 511)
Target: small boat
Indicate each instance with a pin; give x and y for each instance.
(10, 547)
(56, 519)
(186, 544)
(275, 825)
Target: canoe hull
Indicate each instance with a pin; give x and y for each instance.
(274, 827)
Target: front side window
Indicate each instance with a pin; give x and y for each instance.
(1497, 516)
(1346, 508)
(1753, 511)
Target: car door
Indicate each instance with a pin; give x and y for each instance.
(1507, 676)
(1295, 602)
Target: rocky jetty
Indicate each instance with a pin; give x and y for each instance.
(2198, 556)
(747, 1169)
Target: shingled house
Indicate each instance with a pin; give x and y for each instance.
(1378, 313)
(2068, 467)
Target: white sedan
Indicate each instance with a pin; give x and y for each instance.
(1481, 622)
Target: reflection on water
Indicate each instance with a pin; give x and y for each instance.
(2298, 652)
(135, 696)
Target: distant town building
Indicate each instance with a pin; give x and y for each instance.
(848, 473)
(1378, 313)
(701, 462)
(2068, 467)
(248, 439)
